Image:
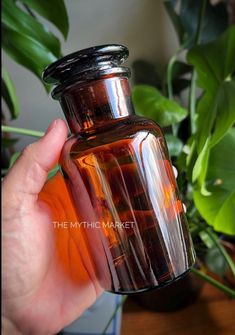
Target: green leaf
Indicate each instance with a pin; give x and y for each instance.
(26, 51)
(149, 102)
(227, 214)
(222, 162)
(174, 144)
(215, 20)
(201, 162)
(216, 262)
(200, 167)
(216, 114)
(184, 15)
(225, 111)
(216, 108)
(176, 20)
(145, 73)
(16, 19)
(52, 10)
(215, 61)
(208, 241)
(9, 94)
(206, 112)
(209, 206)
(218, 209)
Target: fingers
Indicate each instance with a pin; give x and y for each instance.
(176, 175)
(29, 173)
(175, 171)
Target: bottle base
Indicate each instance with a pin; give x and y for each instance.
(147, 289)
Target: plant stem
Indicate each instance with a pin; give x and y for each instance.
(222, 250)
(192, 91)
(192, 104)
(114, 313)
(220, 247)
(212, 281)
(23, 131)
(169, 84)
(169, 75)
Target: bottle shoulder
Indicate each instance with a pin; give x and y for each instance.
(127, 126)
(126, 129)
(143, 122)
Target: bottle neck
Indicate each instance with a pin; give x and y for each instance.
(97, 103)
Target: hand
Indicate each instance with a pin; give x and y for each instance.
(176, 175)
(43, 290)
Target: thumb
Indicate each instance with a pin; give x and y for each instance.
(29, 173)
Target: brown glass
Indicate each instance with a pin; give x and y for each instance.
(116, 167)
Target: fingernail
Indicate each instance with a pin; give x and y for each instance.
(175, 171)
(51, 126)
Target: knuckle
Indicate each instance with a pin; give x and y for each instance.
(28, 150)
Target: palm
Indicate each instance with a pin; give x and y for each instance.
(47, 274)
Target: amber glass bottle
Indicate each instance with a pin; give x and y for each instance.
(117, 170)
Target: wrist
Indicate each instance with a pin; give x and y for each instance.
(9, 328)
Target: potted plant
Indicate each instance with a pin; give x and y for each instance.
(194, 102)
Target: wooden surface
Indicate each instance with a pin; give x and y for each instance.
(212, 314)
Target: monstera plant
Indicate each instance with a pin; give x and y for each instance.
(29, 42)
(195, 103)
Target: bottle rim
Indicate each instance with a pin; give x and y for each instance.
(85, 65)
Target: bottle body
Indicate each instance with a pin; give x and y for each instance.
(135, 227)
(118, 173)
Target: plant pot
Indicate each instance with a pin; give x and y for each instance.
(177, 295)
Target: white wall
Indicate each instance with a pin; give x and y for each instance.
(142, 25)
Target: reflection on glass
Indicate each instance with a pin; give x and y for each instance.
(130, 180)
